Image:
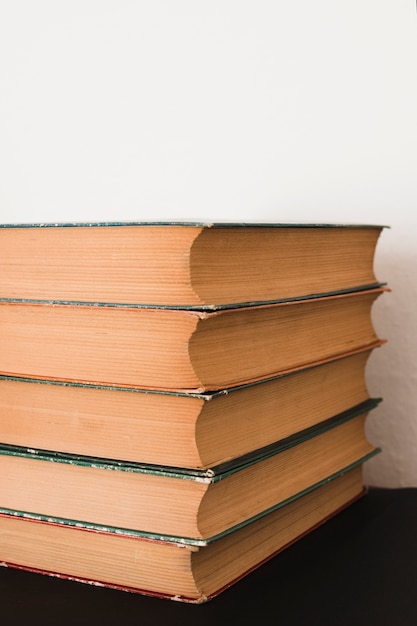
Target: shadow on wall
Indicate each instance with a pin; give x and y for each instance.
(392, 369)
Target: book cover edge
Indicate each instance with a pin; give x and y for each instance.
(193, 224)
(205, 309)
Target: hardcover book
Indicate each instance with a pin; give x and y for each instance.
(184, 265)
(177, 429)
(171, 349)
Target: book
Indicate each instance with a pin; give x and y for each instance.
(181, 349)
(184, 264)
(177, 570)
(170, 502)
(177, 429)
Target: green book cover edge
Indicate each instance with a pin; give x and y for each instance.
(196, 224)
(207, 308)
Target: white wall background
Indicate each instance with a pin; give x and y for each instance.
(229, 110)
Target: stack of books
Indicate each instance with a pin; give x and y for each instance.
(179, 402)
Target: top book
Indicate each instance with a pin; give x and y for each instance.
(184, 265)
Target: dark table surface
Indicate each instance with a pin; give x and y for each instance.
(359, 569)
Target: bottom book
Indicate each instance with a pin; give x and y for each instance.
(127, 560)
